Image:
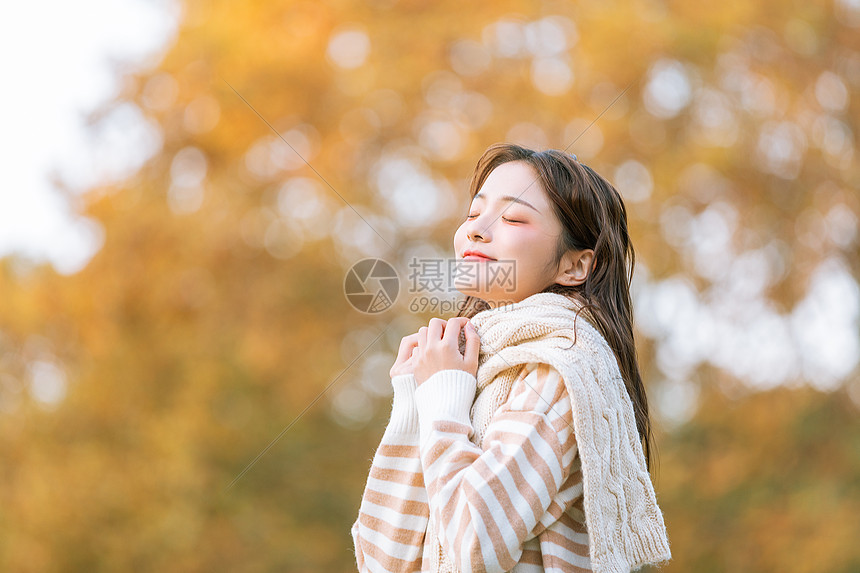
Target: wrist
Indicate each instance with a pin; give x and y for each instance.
(446, 395)
(423, 377)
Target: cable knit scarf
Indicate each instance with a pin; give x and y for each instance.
(625, 525)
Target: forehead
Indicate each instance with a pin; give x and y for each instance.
(514, 178)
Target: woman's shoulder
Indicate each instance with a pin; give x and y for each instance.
(539, 397)
(539, 386)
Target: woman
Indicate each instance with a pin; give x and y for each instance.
(522, 444)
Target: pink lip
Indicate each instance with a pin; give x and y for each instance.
(477, 256)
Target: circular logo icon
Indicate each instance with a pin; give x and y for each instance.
(371, 286)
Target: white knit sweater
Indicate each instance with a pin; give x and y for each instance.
(625, 525)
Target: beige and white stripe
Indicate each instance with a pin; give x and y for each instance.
(512, 502)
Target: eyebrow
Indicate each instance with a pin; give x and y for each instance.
(509, 198)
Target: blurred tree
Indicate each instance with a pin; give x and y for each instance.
(767, 483)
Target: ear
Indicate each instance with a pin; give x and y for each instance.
(574, 267)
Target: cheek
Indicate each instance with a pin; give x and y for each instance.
(525, 241)
(537, 255)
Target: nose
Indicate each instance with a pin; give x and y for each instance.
(477, 229)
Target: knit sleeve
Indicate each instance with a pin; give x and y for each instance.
(489, 500)
(388, 534)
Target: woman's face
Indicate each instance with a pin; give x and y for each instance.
(511, 221)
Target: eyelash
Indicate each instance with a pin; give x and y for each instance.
(503, 219)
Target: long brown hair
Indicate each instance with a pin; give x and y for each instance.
(592, 216)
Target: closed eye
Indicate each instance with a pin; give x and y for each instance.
(511, 220)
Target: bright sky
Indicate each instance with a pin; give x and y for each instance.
(57, 59)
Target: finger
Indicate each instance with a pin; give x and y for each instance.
(473, 345)
(407, 343)
(452, 331)
(435, 329)
(422, 337)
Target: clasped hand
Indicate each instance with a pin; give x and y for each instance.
(436, 347)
